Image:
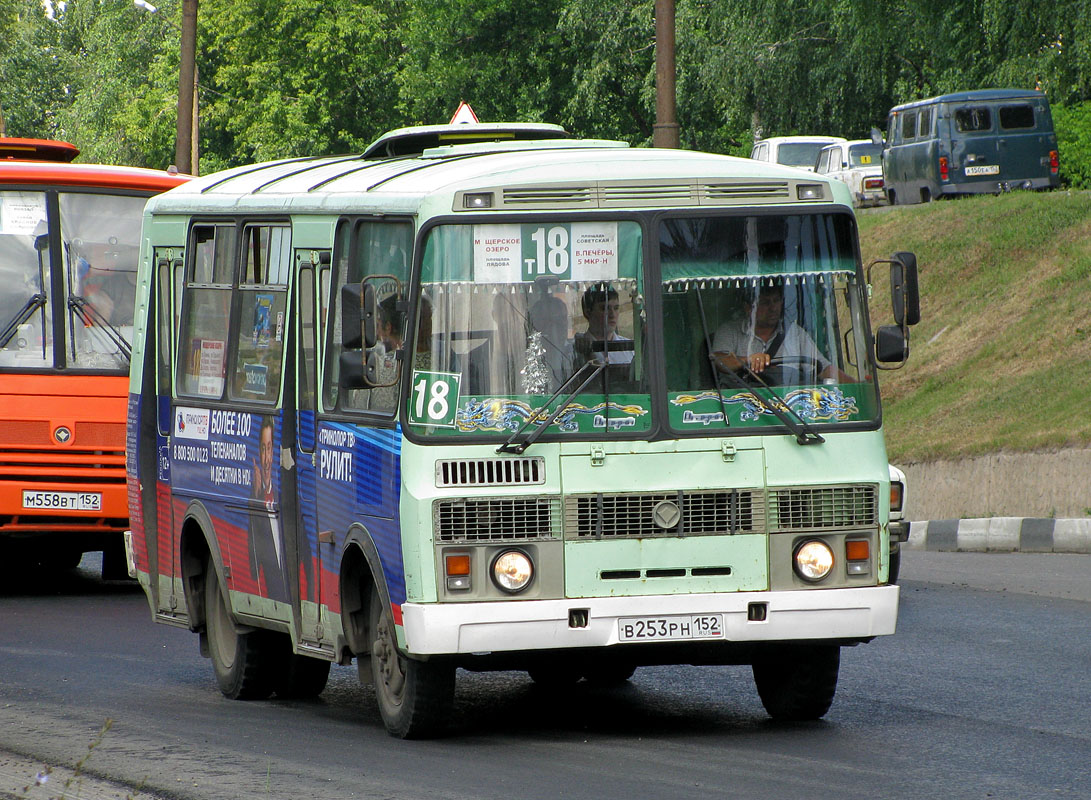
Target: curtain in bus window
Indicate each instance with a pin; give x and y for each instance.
(261, 328)
(25, 315)
(206, 309)
(100, 234)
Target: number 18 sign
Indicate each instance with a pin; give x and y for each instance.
(433, 399)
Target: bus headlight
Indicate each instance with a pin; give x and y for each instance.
(512, 571)
(813, 560)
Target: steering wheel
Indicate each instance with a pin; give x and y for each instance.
(788, 370)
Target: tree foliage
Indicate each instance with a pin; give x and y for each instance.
(282, 78)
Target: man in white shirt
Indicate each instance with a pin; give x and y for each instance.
(761, 336)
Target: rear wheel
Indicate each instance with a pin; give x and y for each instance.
(798, 683)
(244, 663)
(610, 673)
(415, 697)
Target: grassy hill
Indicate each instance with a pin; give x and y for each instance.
(1001, 360)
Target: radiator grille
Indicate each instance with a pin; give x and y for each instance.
(824, 508)
(490, 472)
(633, 515)
(498, 519)
(25, 432)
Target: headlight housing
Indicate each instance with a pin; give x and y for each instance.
(512, 571)
(813, 560)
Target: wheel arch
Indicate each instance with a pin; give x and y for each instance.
(197, 547)
(360, 572)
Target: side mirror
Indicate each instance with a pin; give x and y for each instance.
(891, 345)
(904, 294)
(351, 370)
(358, 316)
(877, 137)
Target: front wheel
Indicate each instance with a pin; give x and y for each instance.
(798, 683)
(415, 697)
(244, 663)
(895, 563)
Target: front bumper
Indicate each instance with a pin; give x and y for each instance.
(858, 613)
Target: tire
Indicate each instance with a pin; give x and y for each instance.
(301, 677)
(555, 676)
(895, 564)
(244, 663)
(415, 697)
(798, 683)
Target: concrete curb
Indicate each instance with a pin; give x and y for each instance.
(1002, 535)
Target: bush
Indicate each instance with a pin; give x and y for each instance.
(1073, 126)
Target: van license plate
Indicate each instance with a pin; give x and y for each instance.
(662, 629)
(63, 501)
(985, 169)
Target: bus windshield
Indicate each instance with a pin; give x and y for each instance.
(96, 292)
(513, 314)
(763, 306)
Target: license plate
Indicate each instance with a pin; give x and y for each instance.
(987, 169)
(63, 501)
(669, 628)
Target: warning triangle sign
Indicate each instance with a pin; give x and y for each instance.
(464, 115)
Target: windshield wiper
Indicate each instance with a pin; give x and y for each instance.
(775, 405)
(510, 447)
(33, 303)
(92, 316)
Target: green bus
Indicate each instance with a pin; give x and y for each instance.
(491, 397)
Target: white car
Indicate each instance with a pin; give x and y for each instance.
(899, 528)
(858, 163)
(792, 151)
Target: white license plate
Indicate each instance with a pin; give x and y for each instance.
(987, 169)
(63, 501)
(672, 627)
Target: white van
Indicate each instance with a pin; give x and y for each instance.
(859, 163)
(792, 151)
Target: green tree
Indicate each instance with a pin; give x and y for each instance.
(31, 72)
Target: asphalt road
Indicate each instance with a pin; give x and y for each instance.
(982, 693)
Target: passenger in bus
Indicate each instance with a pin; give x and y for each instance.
(264, 535)
(601, 307)
(760, 335)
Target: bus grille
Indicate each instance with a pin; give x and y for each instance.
(634, 515)
(490, 472)
(824, 508)
(495, 519)
(68, 466)
(632, 195)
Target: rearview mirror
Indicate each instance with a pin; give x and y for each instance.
(358, 316)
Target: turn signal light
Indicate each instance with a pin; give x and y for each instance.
(457, 566)
(857, 557)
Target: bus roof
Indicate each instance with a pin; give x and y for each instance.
(976, 95)
(86, 175)
(13, 148)
(521, 175)
(414, 141)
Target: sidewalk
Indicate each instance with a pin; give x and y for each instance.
(1002, 535)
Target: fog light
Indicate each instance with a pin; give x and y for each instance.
(512, 571)
(857, 557)
(813, 560)
(457, 566)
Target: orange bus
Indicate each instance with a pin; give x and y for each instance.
(69, 239)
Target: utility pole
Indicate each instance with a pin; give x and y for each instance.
(185, 140)
(665, 132)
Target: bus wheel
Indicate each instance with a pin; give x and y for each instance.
(798, 683)
(302, 677)
(243, 662)
(415, 697)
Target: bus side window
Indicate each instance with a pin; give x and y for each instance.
(202, 346)
(262, 313)
(377, 253)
